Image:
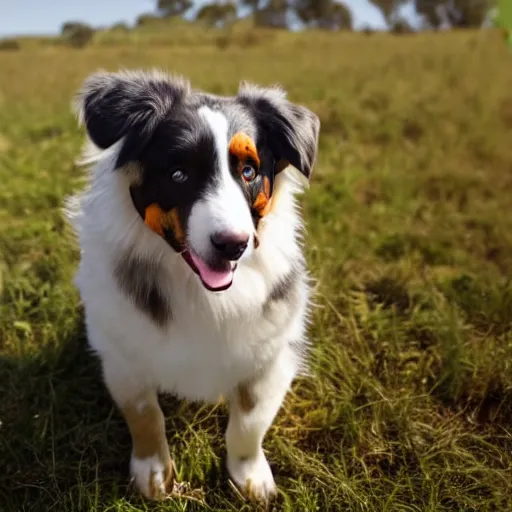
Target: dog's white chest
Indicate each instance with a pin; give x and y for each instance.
(198, 356)
(195, 359)
(202, 364)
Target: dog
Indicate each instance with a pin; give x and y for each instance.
(192, 274)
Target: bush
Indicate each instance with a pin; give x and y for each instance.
(9, 45)
(72, 26)
(148, 19)
(401, 27)
(80, 37)
(222, 42)
(120, 27)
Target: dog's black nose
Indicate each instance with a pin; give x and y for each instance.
(230, 246)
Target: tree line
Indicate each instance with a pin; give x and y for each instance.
(331, 14)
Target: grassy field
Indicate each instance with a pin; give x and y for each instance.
(409, 405)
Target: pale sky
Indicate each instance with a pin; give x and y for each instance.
(20, 17)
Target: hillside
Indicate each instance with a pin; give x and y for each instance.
(409, 404)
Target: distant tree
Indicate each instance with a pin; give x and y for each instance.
(253, 5)
(469, 13)
(390, 8)
(401, 27)
(77, 34)
(273, 15)
(338, 17)
(455, 13)
(72, 26)
(170, 8)
(430, 10)
(217, 14)
(323, 13)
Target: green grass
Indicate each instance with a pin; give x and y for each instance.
(409, 405)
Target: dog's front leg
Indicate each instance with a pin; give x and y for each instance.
(151, 465)
(252, 409)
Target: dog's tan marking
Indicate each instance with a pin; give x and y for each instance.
(153, 218)
(146, 423)
(172, 220)
(158, 219)
(147, 428)
(245, 399)
(263, 200)
(243, 147)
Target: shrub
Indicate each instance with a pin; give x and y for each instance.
(148, 19)
(9, 45)
(222, 42)
(77, 34)
(401, 27)
(120, 27)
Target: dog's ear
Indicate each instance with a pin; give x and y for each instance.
(126, 104)
(291, 130)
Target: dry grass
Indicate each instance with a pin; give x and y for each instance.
(410, 236)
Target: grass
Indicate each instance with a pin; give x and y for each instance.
(409, 404)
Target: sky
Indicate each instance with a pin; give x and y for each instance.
(27, 17)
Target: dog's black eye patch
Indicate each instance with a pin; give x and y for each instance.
(290, 131)
(180, 143)
(183, 147)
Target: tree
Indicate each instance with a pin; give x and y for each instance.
(273, 15)
(430, 11)
(170, 8)
(456, 13)
(72, 26)
(254, 5)
(323, 13)
(338, 17)
(390, 8)
(217, 14)
(77, 34)
(401, 27)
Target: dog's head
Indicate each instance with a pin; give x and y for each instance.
(205, 164)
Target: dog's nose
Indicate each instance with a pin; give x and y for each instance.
(231, 246)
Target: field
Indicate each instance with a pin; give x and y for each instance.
(409, 402)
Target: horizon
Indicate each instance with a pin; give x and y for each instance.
(47, 20)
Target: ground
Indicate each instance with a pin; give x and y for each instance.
(409, 403)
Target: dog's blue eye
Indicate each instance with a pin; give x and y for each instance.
(249, 173)
(179, 176)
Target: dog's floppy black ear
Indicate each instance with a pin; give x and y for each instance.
(126, 104)
(291, 130)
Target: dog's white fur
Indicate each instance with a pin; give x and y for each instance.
(215, 341)
(225, 208)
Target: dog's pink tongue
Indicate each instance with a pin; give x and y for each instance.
(213, 278)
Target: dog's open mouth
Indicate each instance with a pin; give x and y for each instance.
(214, 278)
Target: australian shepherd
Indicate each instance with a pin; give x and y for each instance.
(191, 272)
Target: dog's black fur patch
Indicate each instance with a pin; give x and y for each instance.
(130, 105)
(285, 288)
(289, 131)
(138, 279)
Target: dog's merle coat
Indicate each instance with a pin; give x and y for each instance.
(174, 168)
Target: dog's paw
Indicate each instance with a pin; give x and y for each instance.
(253, 477)
(152, 477)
